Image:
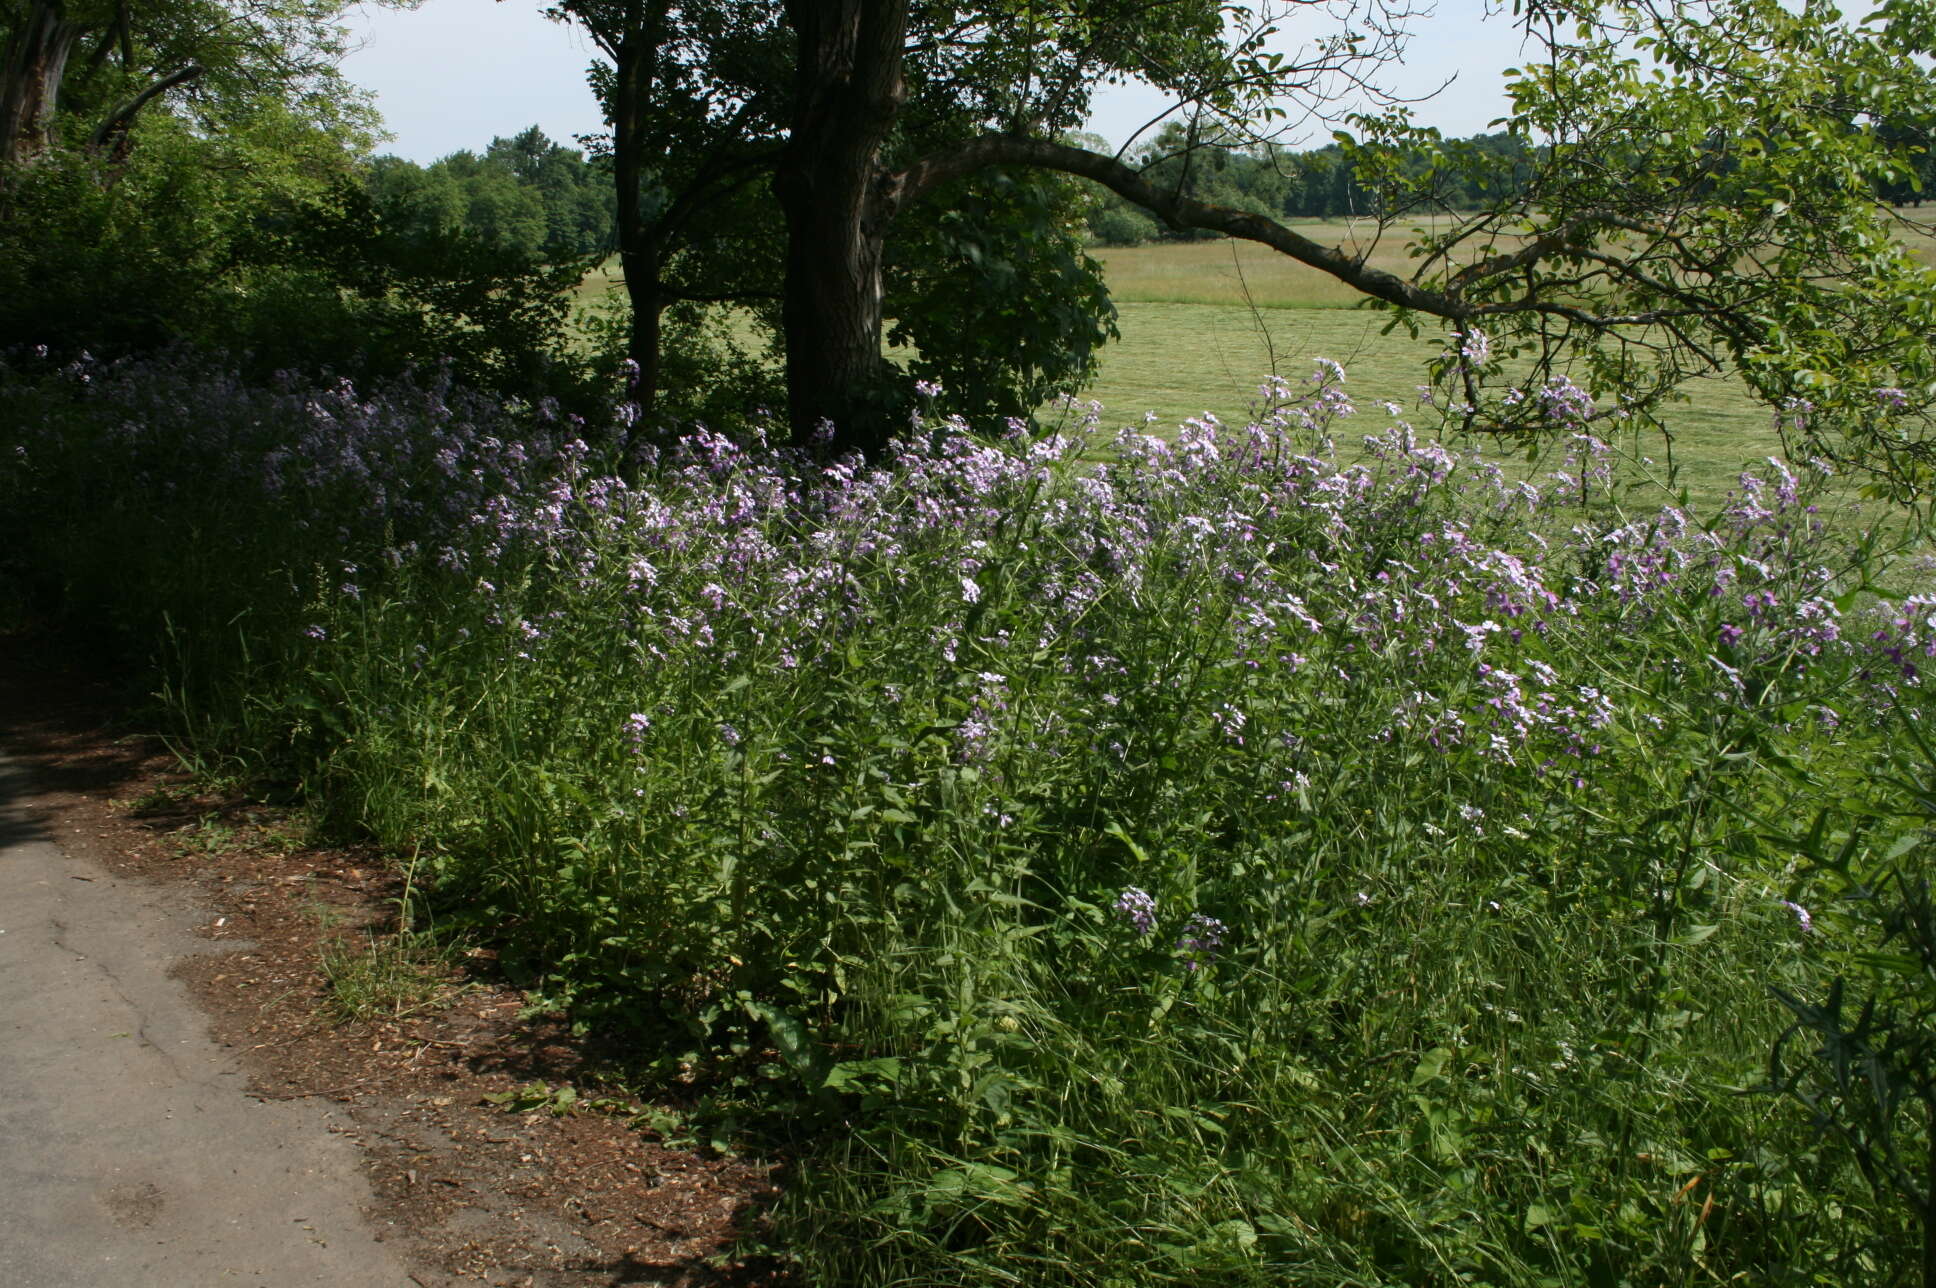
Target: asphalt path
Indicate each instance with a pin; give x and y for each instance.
(130, 1152)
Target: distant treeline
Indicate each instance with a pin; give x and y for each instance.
(1327, 182)
(548, 202)
(525, 194)
(1323, 183)
(531, 195)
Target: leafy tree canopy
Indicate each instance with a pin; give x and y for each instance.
(188, 171)
(1695, 192)
(79, 72)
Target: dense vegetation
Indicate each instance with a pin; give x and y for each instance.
(1207, 866)
(262, 241)
(1303, 852)
(199, 173)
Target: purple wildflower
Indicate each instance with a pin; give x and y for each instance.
(1565, 401)
(1139, 909)
(636, 726)
(1202, 937)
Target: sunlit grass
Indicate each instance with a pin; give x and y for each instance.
(1241, 273)
(1183, 360)
(597, 284)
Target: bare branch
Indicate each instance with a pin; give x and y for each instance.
(1179, 211)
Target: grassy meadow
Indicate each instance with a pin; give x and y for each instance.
(1182, 360)
(1230, 272)
(1203, 322)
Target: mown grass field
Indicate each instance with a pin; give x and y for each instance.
(1228, 272)
(1182, 360)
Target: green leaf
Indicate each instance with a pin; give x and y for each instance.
(791, 1038)
(879, 1074)
(1431, 1065)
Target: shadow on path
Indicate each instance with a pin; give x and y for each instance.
(20, 822)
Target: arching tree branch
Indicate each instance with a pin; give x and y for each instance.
(1181, 212)
(111, 135)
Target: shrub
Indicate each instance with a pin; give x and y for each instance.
(1122, 225)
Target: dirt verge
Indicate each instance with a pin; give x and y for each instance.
(469, 1109)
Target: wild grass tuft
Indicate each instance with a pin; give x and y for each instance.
(382, 976)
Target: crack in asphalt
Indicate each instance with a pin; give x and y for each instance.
(142, 1019)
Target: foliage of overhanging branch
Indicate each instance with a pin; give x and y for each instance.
(78, 73)
(1718, 217)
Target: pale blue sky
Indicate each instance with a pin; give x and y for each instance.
(455, 74)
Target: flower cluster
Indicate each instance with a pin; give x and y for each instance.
(1138, 908)
(1200, 941)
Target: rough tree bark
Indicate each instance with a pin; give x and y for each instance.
(641, 30)
(848, 89)
(31, 68)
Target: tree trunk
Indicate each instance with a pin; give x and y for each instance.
(31, 68)
(848, 91)
(639, 262)
(644, 292)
